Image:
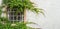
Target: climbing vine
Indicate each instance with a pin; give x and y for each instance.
(20, 6)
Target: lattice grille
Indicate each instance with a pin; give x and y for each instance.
(13, 17)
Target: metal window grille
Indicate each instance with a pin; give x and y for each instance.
(13, 17)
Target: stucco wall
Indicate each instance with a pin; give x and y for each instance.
(52, 11)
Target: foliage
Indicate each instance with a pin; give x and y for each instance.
(8, 26)
(21, 5)
(0, 11)
(20, 25)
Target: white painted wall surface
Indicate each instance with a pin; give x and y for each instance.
(52, 11)
(52, 19)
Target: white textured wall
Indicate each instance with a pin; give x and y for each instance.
(52, 19)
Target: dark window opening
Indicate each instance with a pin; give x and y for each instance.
(12, 16)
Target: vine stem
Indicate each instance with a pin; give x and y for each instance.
(24, 15)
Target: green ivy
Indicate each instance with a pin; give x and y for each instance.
(8, 26)
(21, 5)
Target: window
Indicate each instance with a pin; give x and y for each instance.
(13, 17)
